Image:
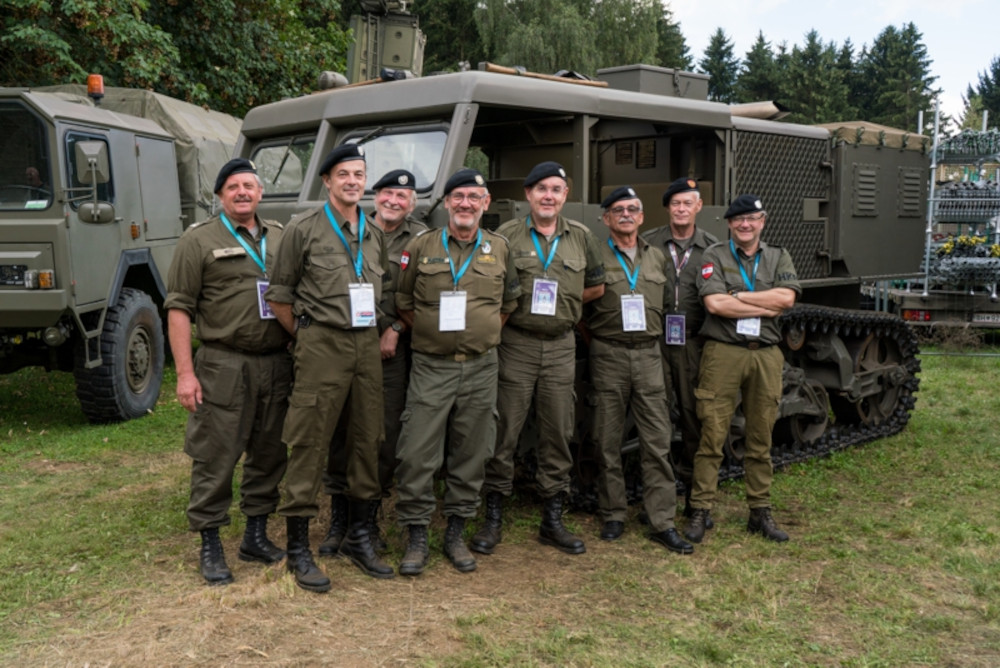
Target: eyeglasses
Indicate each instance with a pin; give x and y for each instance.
(456, 198)
(749, 218)
(620, 210)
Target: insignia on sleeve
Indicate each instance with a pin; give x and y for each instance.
(404, 260)
(707, 270)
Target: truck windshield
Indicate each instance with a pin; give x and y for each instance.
(25, 171)
(419, 152)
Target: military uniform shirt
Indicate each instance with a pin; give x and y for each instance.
(724, 277)
(214, 280)
(576, 265)
(604, 315)
(313, 268)
(689, 302)
(490, 283)
(395, 243)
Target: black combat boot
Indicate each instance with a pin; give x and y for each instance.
(256, 546)
(416, 551)
(552, 532)
(700, 518)
(672, 540)
(487, 538)
(300, 560)
(454, 545)
(338, 526)
(762, 523)
(375, 534)
(358, 545)
(213, 561)
(689, 511)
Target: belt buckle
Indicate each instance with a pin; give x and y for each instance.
(460, 357)
(753, 345)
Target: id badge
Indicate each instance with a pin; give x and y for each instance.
(674, 329)
(263, 308)
(452, 315)
(543, 296)
(748, 326)
(362, 304)
(633, 313)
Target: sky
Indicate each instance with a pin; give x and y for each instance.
(961, 36)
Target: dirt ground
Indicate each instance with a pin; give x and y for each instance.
(263, 618)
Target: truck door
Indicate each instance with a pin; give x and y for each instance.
(93, 247)
(159, 188)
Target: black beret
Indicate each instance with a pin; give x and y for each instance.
(679, 186)
(234, 166)
(618, 194)
(544, 170)
(744, 204)
(464, 177)
(342, 153)
(397, 178)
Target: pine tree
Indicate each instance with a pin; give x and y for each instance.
(672, 50)
(759, 77)
(896, 72)
(817, 92)
(984, 97)
(721, 66)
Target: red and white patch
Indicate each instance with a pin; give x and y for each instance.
(404, 260)
(707, 270)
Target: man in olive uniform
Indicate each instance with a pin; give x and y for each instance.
(327, 281)
(683, 244)
(237, 387)
(456, 289)
(745, 285)
(624, 326)
(395, 199)
(559, 266)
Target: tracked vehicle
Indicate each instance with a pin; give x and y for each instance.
(847, 201)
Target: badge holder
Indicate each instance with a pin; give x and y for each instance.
(633, 313)
(451, 317)
(674, 329)
(362, 304)
(263, 308)
(543, 296)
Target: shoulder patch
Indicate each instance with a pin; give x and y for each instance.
(422, 232)
(404, 260)
(707, 270)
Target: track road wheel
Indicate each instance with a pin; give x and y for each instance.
(127, 384)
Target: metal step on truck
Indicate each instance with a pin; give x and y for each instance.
(94, 193)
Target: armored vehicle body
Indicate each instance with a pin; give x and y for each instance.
(846, 201)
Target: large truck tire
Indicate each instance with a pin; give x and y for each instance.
(128, 382)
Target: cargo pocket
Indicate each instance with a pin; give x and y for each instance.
(302, 423)
(220, 385)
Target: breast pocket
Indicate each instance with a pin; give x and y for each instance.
(488, 279)
(331, 272)
(432, 279)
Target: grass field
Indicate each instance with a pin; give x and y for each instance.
(894, 561)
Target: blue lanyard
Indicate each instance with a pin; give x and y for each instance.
(756, 262)
(632, 277)
(259, 259)
(451, 263)
(361, 237)
(538, 247)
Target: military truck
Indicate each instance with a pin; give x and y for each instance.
(848, 201)
(92, 201)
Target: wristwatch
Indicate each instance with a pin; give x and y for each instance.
(397, 326)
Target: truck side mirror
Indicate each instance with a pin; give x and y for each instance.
(96, 212)
(92, 162)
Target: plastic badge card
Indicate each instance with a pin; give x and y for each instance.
(674, 329)
(633, 313)
(748, 326)
(362, 304)
(543, 296)
(452, 315)
(262, 306)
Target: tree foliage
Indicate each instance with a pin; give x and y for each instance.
(226, 54)
(672, 50)
(759, 76)
(896, 76)
(721, 66)
(985, 96)
(815, 86)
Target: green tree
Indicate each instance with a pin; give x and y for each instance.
(984, 97)
(721, 66)
(816, 89)
(452, 36)
(896, 72)
(671, 49)
(626, 31)
(50, 41)
(760, 78)
(541, 35)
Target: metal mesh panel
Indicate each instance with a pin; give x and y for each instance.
(783, 170)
